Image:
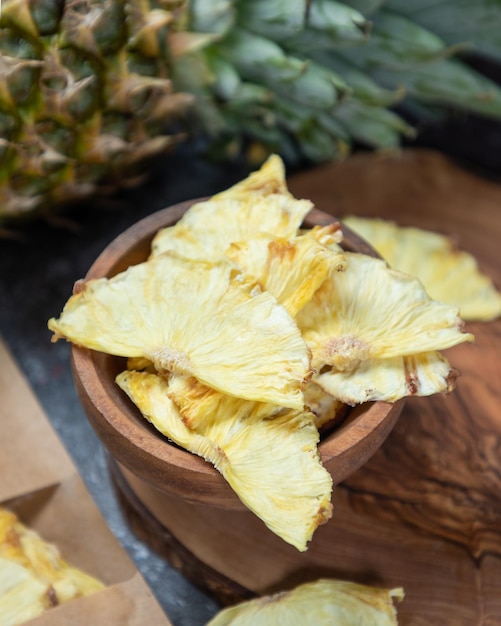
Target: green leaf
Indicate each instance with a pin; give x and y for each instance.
(367, 7)
(477, 23)
(274, 19)
(212, 16)
(335, 24)
(450, 83)
(373, 126)
(320, 23)
(395, 44)
(263, 62)
(360, 83)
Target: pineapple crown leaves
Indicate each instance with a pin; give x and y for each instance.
(476, 23)
(314, 76)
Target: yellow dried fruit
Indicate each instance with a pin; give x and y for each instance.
(449, 275)
(200, 406)
(327, 408)
(188, 317)
(323, 602)
(369, 313)
(291, 269)
(389, 379)
(268, 180)
(33, 575)
(208, 228)
(259, 204)
(272, 463)
(331, 236)
(372, 311)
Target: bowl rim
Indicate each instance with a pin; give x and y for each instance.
(363, 424)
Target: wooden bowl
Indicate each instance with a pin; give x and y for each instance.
(141, 449)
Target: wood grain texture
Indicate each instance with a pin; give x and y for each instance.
(439, 472)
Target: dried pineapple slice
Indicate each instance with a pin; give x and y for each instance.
(33, 575)
(327, 409)
(448, 274)
(272, 464)
(141, 363)
(269, 179)
(207, 229)
(389, 379)
(22, 595)
(261, 203)
(322, 602)
(330, 235)
(369, 312)
(381, 234)
(206, 320)
(200, 405)
(291, 269)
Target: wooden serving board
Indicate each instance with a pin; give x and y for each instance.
(425, 512)
(426, 509)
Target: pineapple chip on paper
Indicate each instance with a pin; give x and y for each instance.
(272, 463)
(448, 274)
(323, 602)
(33, 575)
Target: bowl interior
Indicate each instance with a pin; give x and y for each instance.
(137, 445)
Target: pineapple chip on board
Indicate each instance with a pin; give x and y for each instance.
(448, 274)
(190, 317)
(323, 602)
(271, 463)
(368, 314)
(33, 575)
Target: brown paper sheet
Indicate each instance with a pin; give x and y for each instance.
(31, 456)
(40, 483)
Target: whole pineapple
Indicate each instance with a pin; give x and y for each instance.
(85, 93)
(90, 89)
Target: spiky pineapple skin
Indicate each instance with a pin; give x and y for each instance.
(85, 96)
